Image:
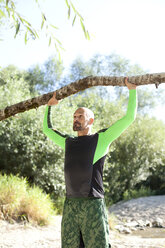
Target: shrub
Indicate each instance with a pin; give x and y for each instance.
(132, 193)
(12, 190)
(18, 201)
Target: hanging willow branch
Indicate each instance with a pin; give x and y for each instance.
(79, 85)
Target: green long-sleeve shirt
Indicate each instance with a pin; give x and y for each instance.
(85, 155)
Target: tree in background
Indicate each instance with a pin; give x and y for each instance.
(24, 149)
(136, 156)
(45, 78)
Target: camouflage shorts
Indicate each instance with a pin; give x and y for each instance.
(85, 224)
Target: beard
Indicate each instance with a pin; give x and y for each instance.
(77, 126)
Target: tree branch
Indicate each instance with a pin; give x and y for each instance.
(79, 85)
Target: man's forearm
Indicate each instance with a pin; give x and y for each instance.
(55, 136)
(114, 131)
(132, 105)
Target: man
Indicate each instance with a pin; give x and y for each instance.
(85, 221)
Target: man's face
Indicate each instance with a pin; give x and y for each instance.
(80, 120)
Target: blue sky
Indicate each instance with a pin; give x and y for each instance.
(133, 29)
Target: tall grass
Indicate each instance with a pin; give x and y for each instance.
(112, 220)
(19, 201)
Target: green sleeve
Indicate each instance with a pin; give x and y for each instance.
(107, 137)
(55, 136)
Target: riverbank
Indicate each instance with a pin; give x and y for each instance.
(19, 235)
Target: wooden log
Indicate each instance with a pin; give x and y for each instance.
(79, 85)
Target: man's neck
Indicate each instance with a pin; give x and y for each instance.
(84, 132)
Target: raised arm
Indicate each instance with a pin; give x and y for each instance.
(113, 132)
(118, 127)
(52, 134)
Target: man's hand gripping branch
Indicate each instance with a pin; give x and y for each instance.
(129, 85)
(53, 100)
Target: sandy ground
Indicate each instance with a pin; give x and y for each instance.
(24, 236)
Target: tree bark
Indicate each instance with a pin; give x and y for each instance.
(79, 85)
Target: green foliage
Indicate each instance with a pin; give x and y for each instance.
(24, 149)
(9, 12)
(17, 20)
(133, 193)
(12, 86)
(113, 65)
(20, 202)
(37, 207)
(27, 152)
(149, 98)
(76, 15)
(12, 189)
(103, 65)
(78, 70)
(45, 78)
(136, 155)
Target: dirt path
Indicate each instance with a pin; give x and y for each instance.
(19, 236)
(23, 236)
